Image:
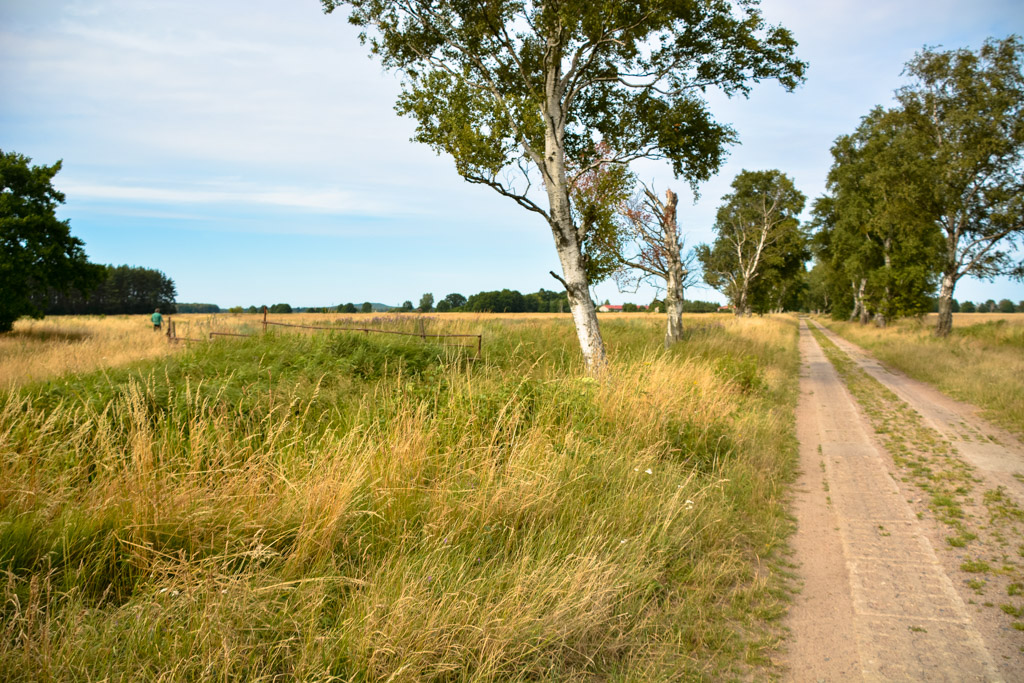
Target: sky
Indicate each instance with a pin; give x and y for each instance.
(250, 149)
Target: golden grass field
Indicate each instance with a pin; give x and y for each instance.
(981, 362)
(339, 506)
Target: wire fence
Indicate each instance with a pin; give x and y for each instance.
(173, 338)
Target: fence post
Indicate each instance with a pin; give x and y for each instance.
(423, 331)
(479, 345)
(264, 320)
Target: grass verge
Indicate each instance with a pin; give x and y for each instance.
(336, 506)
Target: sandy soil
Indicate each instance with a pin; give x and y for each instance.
(878, 602)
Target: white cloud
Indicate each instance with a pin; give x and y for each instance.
(323, 201)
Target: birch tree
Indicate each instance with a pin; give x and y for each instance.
(519, 91)
(651, 250)
(967, 112)
(879, 235)
(756, 224)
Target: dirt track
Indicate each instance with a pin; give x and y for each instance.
(878, 602)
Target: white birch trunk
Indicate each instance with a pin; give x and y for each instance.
(945, 323)
(675, 276)
(563, 228)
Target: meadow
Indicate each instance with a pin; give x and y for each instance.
(981, 362)
(347, 506)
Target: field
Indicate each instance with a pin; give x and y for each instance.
(981, 362)
(352, 506)
(40, 349)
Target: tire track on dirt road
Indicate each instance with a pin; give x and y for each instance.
(876, 604)
(996, 454)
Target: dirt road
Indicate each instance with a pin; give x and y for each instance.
(878, 603)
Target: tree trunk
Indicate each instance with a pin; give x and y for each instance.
(674, 281)
(856, 302)
(945, 324)
(563, 228)
(577, 286)
(861, 305)
(742, 308)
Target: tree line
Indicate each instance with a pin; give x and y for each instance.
(563, 97)
(117, 290)
(45, 270)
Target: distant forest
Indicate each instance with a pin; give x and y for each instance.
(121, 290)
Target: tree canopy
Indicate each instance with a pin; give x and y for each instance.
(965, 110)
(759, 240)
(883, 251)
(121, 290)
(37, 251)
(519, 92)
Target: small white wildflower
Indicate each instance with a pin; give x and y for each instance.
(622, 541)
(689, 504)
(636, 469)
(174, 594)
(163, 590)
(648, 471)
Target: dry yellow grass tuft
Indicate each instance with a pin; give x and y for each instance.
(40, 349)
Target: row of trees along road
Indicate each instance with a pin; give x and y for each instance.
(520, 92)
(927, 191)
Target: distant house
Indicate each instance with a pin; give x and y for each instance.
(725, 309)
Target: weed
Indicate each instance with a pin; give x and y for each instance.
(975, 567)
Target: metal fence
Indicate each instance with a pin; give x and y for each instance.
(172, 336)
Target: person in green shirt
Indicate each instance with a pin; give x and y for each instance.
(157, 319)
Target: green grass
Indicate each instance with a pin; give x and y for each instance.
(348, 507)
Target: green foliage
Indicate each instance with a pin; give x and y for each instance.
(454, 301)
(966, 113)
(280, 308)
(121, 290)
(37, 251)
(474, 76)
(504, 301)
(367, 307)
(426, 302)
(203, 308)
(760, 248)
(406, 306)
(872, 229)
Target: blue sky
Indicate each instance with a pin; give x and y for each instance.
(250, 150)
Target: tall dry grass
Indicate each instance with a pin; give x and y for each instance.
(39, 349)
(981, 362)
(347, 507)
